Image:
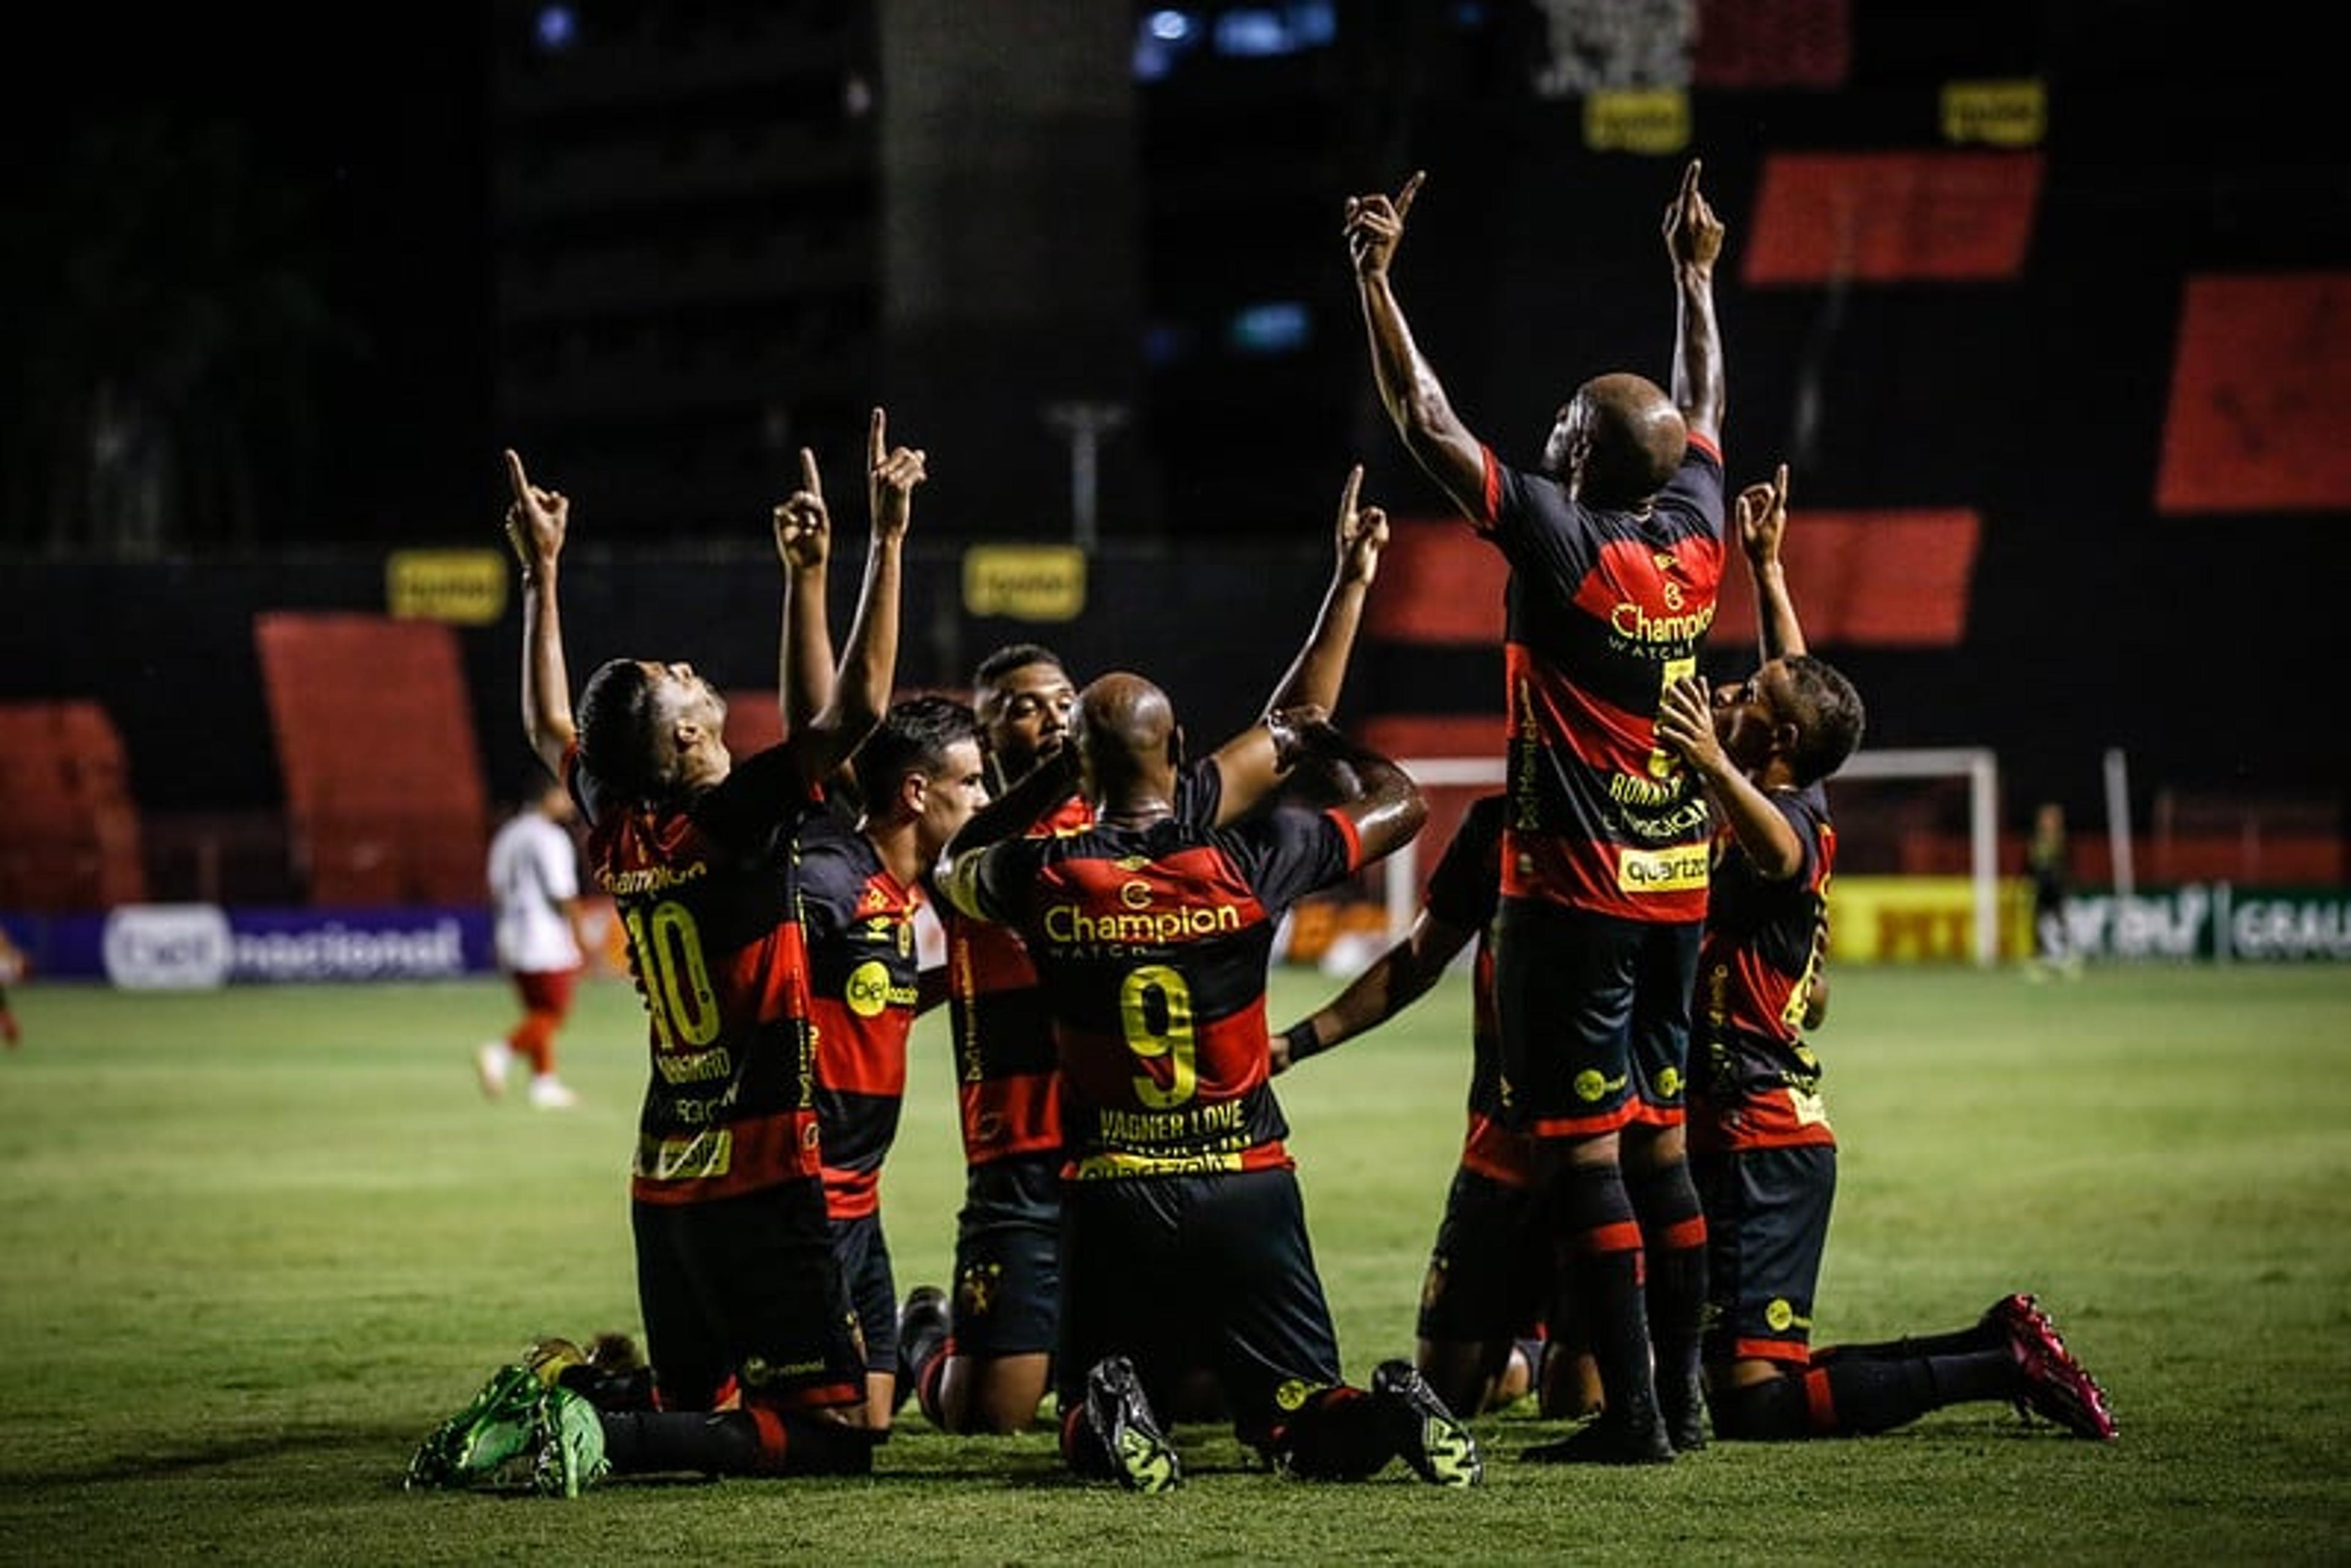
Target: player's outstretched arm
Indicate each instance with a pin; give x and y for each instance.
(1249, 763)
(1380, 799)
(1394, 982)
(1694, 242)
(1761, 512)
(804, 674)
(1043, 788)
(1409, 389)
(1685, 723)
(869, 659)
(536, 523)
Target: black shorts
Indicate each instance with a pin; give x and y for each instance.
(1595, 1017)
(864, 1254)
(1490, 1271)
(1183, 1272)
(1007, 1263)
(747, 1291)
(1767, 1223)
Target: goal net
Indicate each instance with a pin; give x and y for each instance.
(1917, 831)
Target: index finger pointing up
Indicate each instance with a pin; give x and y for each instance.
(1411, 189)
(1347, 494)
(810, 480)
(876, 443)
(516, 477)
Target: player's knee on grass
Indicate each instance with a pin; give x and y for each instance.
(1771, 1411)
(1337, 1435)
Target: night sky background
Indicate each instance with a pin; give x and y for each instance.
(334, 171)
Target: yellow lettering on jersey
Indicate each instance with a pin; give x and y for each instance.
(705, 1154)
(1121, 1166)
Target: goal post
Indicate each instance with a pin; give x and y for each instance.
(1455, 780)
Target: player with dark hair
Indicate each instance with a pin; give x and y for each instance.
(1184, 1238)
(1614, 545)
(1761, 1143)
(919, 776)
(1484, 1338)
(979, 1359)
(982, 1361)
(747, 1324)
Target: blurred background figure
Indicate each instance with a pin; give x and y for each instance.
(2045, 862)
(534, 876)
(13, 965)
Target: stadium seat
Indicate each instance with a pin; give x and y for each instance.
(70, 838)
(373, 724)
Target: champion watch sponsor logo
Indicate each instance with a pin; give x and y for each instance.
(1068, 923)
(1636, 625)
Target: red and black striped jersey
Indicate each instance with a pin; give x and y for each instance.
(862, 973)
(1008, 1079)
(1605, 608)
(709, 899)
(1755, 1082)
(1465, 891)
(1152, 946)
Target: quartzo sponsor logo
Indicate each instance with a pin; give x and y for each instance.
(196, 946)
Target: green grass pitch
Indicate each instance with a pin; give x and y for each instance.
(256, 1242)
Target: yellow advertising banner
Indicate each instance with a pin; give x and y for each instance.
(1918, 920)
(1655, 121)
(1025, 582)
(1996, 113)
(463, 587)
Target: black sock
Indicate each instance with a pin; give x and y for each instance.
(614, 1391)
(1957, 1342)
(715, 1443)
(1839, 1400)
(930, 1365)
(1673, 1236)
(1771, 1411)
(1601, 1245)
(1338, 1435)
(754, 1442)
(1085, 1450)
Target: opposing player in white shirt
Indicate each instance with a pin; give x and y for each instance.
(534, 876)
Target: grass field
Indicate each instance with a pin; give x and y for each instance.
(256, 1242)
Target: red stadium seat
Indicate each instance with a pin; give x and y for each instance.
(69, 831)
(374, 729)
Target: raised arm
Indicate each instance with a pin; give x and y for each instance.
(1395, 979)
(804, 672)
(1044, 787)
(869, 659)
(1694, 241)
(536, 523)
(1685, 723)
(1408, 386)
(1371, 792)
(1250, 762)
(1762, 512)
